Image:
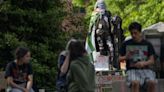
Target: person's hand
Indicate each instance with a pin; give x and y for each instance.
(25, 90)
(140, 64)
(128, 55)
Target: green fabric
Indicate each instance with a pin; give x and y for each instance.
(89, 41)
(92, 48)
(93, 20)
(81, 76)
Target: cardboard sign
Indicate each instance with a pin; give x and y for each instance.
(101, 62)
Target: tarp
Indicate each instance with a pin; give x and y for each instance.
(159, 27)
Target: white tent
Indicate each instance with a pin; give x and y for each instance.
(155, 34)
(155, 29)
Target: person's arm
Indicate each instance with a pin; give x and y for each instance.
(143, 64)
(64, 67)
(151, 57)
(30, 82)
(150, 60)
(125, 57)
(121, 58)
(122, 53)
(11, 83)
(9, 78)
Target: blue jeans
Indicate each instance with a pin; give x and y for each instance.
(12, 89)
(18, 90)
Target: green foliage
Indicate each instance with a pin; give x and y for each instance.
(147, 12)
(35, 24)
(38, 25)
(79, 3)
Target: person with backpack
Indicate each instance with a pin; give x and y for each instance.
(63, 67)
(18, 73)
(81, 75)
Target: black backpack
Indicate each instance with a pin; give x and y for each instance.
(61, 83)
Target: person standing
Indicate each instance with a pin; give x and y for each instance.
(63, 67)
(19, 72)
(139, 56)
(81, 74)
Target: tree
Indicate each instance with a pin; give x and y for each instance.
(147, 12)
(37, 25)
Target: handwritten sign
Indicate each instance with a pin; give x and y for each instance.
(103, 79)
(101, 62)
(107, 79)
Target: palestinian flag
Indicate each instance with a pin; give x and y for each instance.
(90, 40)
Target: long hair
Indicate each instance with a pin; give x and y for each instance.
(76, 49)
(20, 52)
